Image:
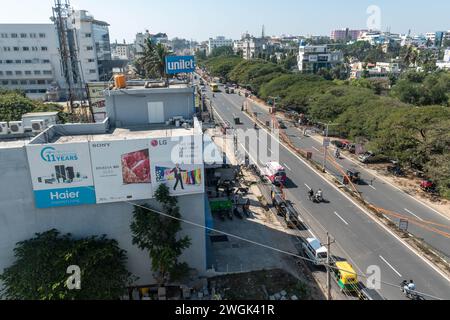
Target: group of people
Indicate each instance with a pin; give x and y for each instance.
(315, 196)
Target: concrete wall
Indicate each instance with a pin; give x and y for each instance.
(131, 108)
(20, 220)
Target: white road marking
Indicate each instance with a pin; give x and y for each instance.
(337, 214)
(390, 266)
(287, 167)
(372, 187)
(364, 210)
(316, 149)
(409, 211)
(307, 186)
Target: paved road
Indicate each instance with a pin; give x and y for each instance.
(377, 191)
(358, 237)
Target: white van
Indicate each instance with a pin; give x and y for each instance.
(315, 251)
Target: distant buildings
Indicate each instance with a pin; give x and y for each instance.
(141, 38)
(249, 46)
(121, 51)
(346, 34)
(380, 70)
(438, 38)
(445, 63)
(219, 41)
(313, 58)
(30, 57)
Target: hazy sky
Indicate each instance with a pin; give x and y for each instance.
(201, 19)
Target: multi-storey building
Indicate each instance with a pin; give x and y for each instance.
(249, 46)
(30, 59)
(141, 38)
(313, 58)
(218, 42)
(346, 34)
(121, 51)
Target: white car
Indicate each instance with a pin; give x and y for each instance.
(315, 251)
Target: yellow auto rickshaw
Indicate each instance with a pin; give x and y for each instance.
(346, 276)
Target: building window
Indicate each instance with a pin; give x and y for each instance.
(4, 35)
(6, 48)
(25, 48)
(18, 73)
(28, 73)
(23, 82)
(45, 61)
(42, 91)
(92, 71)
(91, 60)
(47, 72)
(32, 81)
(44, 48)
(16, 48)
(41, 35)
(5, 82)
(34, 48)
(9, 73)
(33, 35)
(9, 61)
(41, 82)
(89, 48)
(14, 82)
(23, 35)
(88, 35)
(18, 61)
(28, 61)
(13, 35)
(37, 72)
(1, 73)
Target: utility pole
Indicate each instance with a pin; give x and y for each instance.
(329, 242)
(325, 147)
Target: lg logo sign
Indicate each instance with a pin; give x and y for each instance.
(156, 143)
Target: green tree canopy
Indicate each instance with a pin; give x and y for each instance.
(39, 272)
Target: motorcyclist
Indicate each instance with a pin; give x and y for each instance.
(337, 154)
(319, 195)
(311, 194)
(408, 288)
(256, 126)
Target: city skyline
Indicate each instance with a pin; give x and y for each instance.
(205, 19)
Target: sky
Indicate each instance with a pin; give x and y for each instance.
(202, 19)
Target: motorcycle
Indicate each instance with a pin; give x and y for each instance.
(412, 295)
(318, 198)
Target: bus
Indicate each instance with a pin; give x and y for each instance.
(214, 87)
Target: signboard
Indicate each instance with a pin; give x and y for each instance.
(96, 97)
(121, 170)
(313, 58)
(178, 163)
(323, 58)
(180, 64)
(403, 225)
(61, 174)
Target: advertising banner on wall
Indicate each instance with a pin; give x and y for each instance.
(178, 163)
(61, 175)
(122, 170)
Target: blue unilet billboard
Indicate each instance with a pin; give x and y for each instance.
(180, 64)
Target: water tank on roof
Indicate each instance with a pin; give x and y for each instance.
(120, 81)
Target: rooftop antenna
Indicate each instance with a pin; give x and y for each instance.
(263, 35)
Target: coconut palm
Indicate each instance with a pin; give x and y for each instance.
(153, 60)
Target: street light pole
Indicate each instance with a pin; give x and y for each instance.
(329, 242)
(325, 145)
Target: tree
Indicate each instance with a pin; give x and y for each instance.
(39, 272)
(13, 105)
(224, 51)
(158, 235)
(152, 63)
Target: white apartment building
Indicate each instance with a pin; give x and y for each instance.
(93, 44)
(29, 58)
(444, 64)
(141, 38)
(312, 58)
(121, 52)
(249, 46)
(218, 42)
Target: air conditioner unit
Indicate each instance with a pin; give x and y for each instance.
(3, 128)
(38, 125)
(16, 127)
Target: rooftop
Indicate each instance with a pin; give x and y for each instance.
(130, 133)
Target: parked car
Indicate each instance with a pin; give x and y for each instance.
(315, 251)
(366, 157)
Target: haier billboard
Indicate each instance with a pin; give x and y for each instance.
(180, 64)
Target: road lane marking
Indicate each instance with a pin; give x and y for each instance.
(373, 187)
(287, 167)
(316, 149)
(337, 214)
(409, 211)
(364, 210)
(390, 266)
(307, 186)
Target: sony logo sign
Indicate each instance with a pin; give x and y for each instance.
(101, 145)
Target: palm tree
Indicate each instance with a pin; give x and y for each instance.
(153, 60)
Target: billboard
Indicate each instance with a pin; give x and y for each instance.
(122, 170)
(61, 175)
(178, 163)
(96, 97)
(180, 64)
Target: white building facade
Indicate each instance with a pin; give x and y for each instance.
(218, 42)
(312, 58)
(29, 58)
